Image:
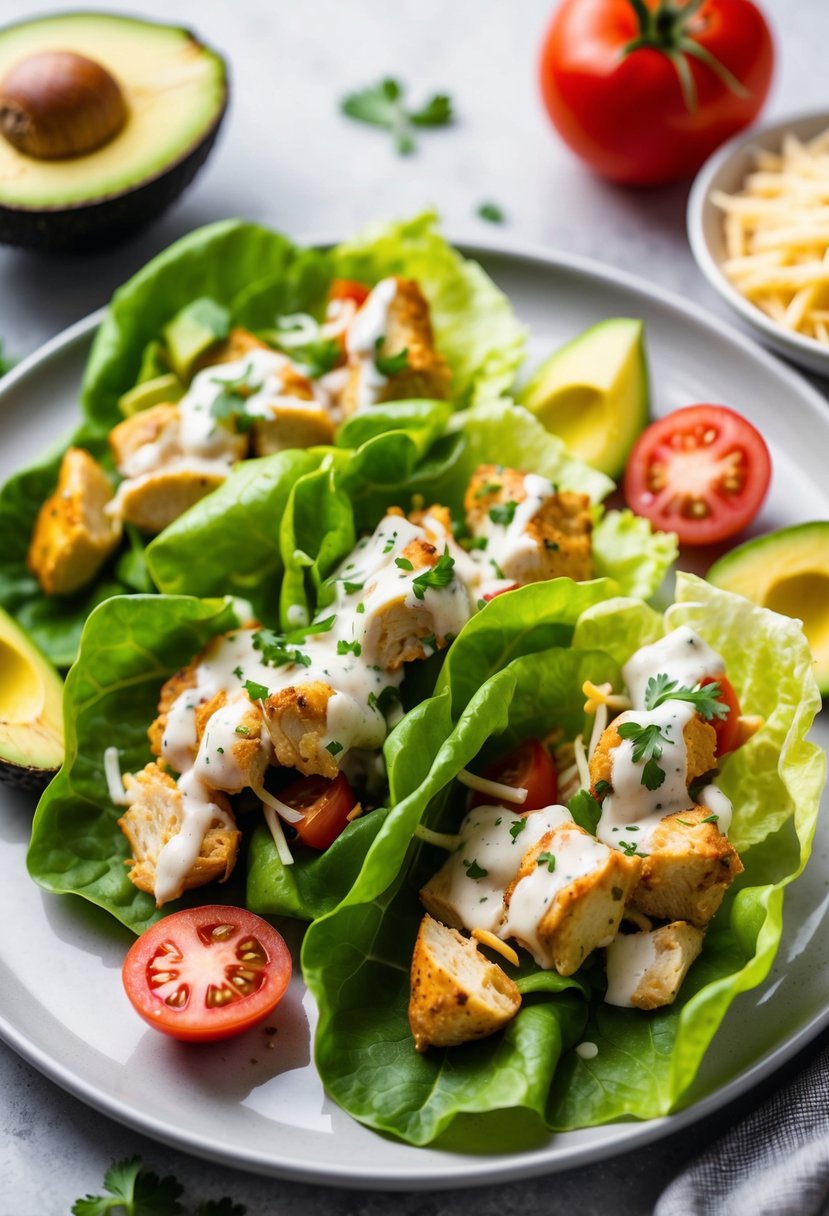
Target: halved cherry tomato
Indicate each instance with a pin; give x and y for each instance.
(727, 728)
(207, 973)
(702, 472)
(528, 766)
(349, 289)
(490, 595)
(326, 806)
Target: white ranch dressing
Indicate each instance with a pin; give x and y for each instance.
(681, 654)
(712, 797)
(178, 856)
(363, 336)
(509, 545)
(629, 957)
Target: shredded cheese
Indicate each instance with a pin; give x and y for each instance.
(494, 943)
(272, 820)
(282, 809)
(115, 782)
(507, 793)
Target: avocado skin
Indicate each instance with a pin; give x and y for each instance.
(104, 222)
(33, 780)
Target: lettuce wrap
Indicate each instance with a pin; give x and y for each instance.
(356, 958)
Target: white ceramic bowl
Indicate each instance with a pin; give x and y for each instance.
(726, 170)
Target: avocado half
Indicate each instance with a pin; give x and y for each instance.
(788, 572)
(31, 711)
(175, 95)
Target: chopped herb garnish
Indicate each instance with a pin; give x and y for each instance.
(276, 649)
(390, 365)
(239, 674)
(475, 542)
(491, 212)
(351, 588)
(440, 575)
(256, 692)
(498, 821)
(243, 730)
(430, 640)
(685, 823)
(647, 745)
(360, 608)
(382, 105)
(220, 750)
(503, 512)
(389, 545)
(516, 829)
(585, 811)
(473, 870)
(552, 545)
(546, 859)
(481, 604)
(601, 788)
(334, 747)
(344, 647)
(403, 563)
(704, 698)
(229, 404)
(492, 487)
(628, 847)
(710, 819)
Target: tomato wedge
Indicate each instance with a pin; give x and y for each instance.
(207, 973)
(702, 472)
(325, 804)
(528, 766)
(727, 729)
(349, 289)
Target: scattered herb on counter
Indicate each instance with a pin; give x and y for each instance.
(491, 212)
(383, 105)
(133, 1190)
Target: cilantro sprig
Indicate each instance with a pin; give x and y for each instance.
(390, 365)
(647, 745)
(439, 575)
(383, 105)
(133, 1190)
(704, 698)
(229, 405)
(503, 512)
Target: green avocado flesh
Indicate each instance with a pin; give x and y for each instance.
(593, 393)
(788, 572)
(175, 93)
(31, 711)
(193, 331)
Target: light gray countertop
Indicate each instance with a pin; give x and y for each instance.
(286, 157)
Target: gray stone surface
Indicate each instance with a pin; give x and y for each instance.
(286, 157)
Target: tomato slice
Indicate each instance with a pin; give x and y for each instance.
(349, 289)
(528, 766)
(702, 472)
(326, 806)
(207, 973)
(490, 595)
(727, 728)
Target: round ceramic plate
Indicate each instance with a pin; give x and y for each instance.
(257, 1102)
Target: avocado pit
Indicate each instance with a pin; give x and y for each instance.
(58, 104)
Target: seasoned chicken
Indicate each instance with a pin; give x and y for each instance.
(555, 541)
(73, 535)
(292, 426)
(160, 426)
(154, 501)
(296, 719)
(155, 816)
(407, 328)
(244, 765)
(171, 690)
(689, 867)
(457, 994)
(645, 970)
(238, 343)
(568, 897)
(700, 748)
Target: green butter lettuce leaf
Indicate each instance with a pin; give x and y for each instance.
(474, 325)
(129, 647)
(645, 1062)
(627, 549)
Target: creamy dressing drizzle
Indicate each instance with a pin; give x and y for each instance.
(629, 957)
(362, 337)
(509, 545)
(681, 654)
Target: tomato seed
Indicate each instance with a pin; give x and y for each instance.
(179, 998)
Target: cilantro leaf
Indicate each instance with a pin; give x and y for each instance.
(473, 870)
(256, 692)
(403, 563)
(585, 811)
(503, 513)
(344, 647)
(647, 745)
(491, 212)
(382, 105)
(439, 575)
(705, 698)
(517, 828)
(133, 1191)
(276, 648)
(390, 365)
(546, 859)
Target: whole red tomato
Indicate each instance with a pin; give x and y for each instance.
(645, 90)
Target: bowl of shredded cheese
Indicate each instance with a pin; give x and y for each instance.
(758, 224)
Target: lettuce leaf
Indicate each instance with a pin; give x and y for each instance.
(129, 647)
(627, 549)
(354, 963)
(474, 325)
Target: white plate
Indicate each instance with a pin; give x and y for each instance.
(61, 1004)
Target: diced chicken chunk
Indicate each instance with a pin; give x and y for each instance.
(646, 970)
(244, 767)
(160, 425)
(171, 690)
(297, 719)
(560, 531)
(292, 426)
(152, 502)
(155, 816)
(579, 914)
(238, 343)
(689, 868)
(73, 535)
(457, 994)
(409, 328)
(700, 749)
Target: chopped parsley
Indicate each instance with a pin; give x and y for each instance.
(390, 365)
(710, 819)
(276, 649)
(386, 700)
(403, 563)
(334, 747)
(229, 404)
(552, 545)
(516, 829)
(473, 870)
(360, 608)
(601, 788)
(491, 212)
(440, 575)
(546, 859)
(389, 545)
(585, 810)
(344, 647)
(704, 698)
(239, 674)
(647, 745)
(491, 487)
(430, 640)
(243, 730)
(351, 588)
(383, 105)
(256, 692)
(475, 542)
(628, 847)
(503, 512)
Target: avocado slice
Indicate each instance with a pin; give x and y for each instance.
(192, 331)
(175, 95)
(152, 392)
(594, 393)
(788, 572)
(31, 711)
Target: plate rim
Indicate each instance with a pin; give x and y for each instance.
(459, 1170)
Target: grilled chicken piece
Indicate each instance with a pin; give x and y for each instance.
(156, 816)
(577, 913)
(292, 426)
(152, 502)
(560, 531)
(457, 994)
(689, 868)
(700, 748)
(667, 953)
(238, 343)
(171, 690)
(159, 425)
(73, 536)
(408, 328)
(296, 719)
(245, 766)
